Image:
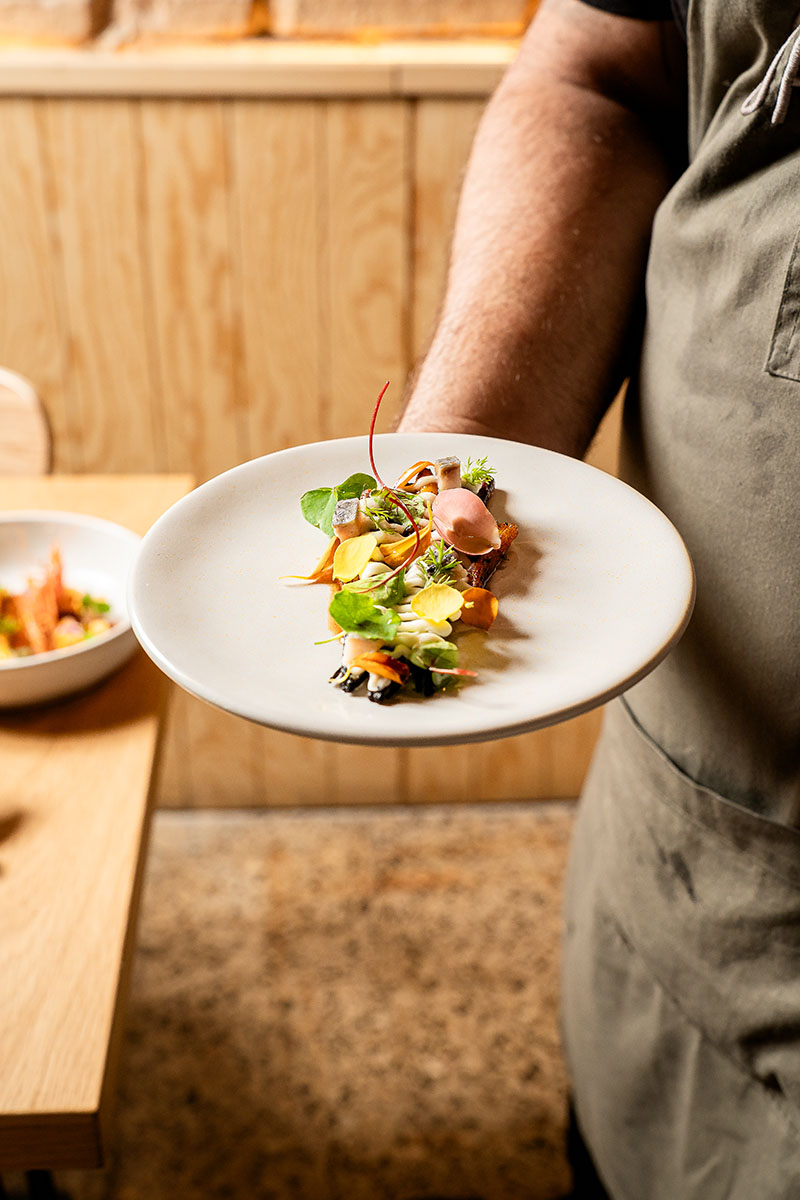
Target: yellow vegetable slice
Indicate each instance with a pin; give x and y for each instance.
(437, 602)
(352, 556)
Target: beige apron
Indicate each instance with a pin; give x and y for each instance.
(681, 1008)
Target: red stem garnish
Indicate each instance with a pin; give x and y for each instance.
(453, 671)
(395, 499)
(372, 434)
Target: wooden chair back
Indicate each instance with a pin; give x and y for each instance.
(25, 442)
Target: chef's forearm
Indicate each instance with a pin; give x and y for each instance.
(547, 262)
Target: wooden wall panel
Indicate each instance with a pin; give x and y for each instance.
(92, 155)
(366, 259)
(293, 770)
(187, 245)
(604, 450)
(34, 336)
(366, 775)
(275, 205)
(173, 782)
(443, 133)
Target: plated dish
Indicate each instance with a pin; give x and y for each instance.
(597, 588)
(407, 566)
(86, 591)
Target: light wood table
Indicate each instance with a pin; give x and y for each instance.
(75, 790)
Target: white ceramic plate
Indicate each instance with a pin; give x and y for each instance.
(96, 556)
(597, 589)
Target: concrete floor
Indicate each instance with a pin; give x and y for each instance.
(345, 1005)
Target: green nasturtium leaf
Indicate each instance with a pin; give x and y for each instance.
(314, 506)
(318, 505)
(353, 486)
(359, 614)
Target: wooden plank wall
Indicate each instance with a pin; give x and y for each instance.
(191, 283)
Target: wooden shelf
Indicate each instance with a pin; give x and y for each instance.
(259, 67)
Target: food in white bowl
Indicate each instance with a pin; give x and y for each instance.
(95, 557)
(49, 614)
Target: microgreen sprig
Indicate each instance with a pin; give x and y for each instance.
(439, 562)
(477, 472)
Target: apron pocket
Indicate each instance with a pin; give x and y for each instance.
(708, 894)
(784, 351)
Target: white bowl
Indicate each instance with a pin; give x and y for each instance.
(97, 556)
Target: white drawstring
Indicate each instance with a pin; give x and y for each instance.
(788, 80)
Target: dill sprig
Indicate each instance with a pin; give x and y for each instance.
(439, 562)
(476, 473)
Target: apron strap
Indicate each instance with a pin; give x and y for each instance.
(788, 80)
